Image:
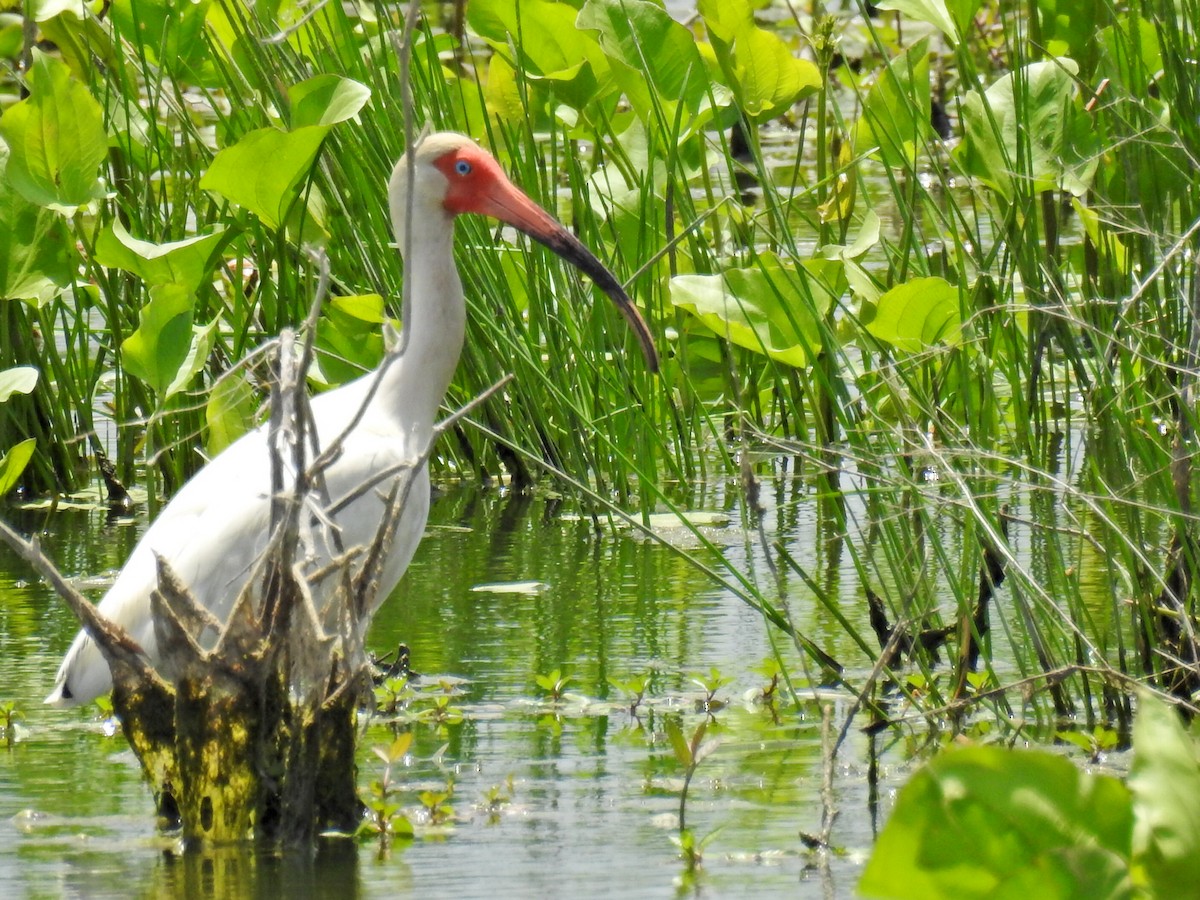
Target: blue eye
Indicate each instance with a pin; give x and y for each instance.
(462, 167)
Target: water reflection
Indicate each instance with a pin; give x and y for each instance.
(332, 871)
(589, 790)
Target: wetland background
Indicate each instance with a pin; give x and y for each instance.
(920, 455)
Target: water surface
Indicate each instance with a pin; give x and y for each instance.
(503, 589)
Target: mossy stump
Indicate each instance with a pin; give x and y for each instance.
(231, 743)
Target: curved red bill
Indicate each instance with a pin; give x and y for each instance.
(478, 185)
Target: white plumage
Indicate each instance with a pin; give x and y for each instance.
(214, 530)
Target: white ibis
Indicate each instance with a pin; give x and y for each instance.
(215, 528)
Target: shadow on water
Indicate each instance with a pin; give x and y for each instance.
(542, 794)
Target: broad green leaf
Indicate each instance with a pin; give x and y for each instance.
(895, 115)
(326, 100)
(229, 412)
(548, 46)
(1165, 781)
(17, 380)
(48, 9)
(36, 254)
(683, 752)
(170, 33)
(199, 348)
(399, 747)
(159, 347)
(543, 33)
(364, 307)
(932, 12)
(770, 77)
(867, 237)
(56, 139)
(1108, 245)
(1131, 53)
(963, 13)
(640, 35)
(724, 19)
(83, 41)
(767, 309)
(13, 463)
(989, 822)
(764, 73)
(188, 262)
(12, 35)
(918, 315)
(264, 171)
(502, 93)
(1032, 116)
(348, 339)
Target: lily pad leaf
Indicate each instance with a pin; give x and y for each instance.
(56, 139)
(918, 315)
(264, 171)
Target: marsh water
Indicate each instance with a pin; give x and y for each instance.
(546, 797)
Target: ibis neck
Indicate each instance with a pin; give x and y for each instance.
(432, 334)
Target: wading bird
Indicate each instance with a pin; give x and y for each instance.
(215, 529)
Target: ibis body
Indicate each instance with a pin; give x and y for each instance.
(215, 529)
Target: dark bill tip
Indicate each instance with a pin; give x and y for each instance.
(573, 251)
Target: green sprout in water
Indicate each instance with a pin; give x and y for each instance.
(690, 753)
(11, 716)
(710, 684)
(635, 688)
(384, 819)
(767, 696)
(553, 685)
(441, 714)
(496, 798)
(437, 810)
(392, 695)
(108, 719)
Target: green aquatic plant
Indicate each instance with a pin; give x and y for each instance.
(440, 713)
(384, 819)
(392, 695)
(689, 751)
(435, 808)
(635, 688)
(496, 798)
(981, 818)
(553, 685)
(710, 684)
(10, 715)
